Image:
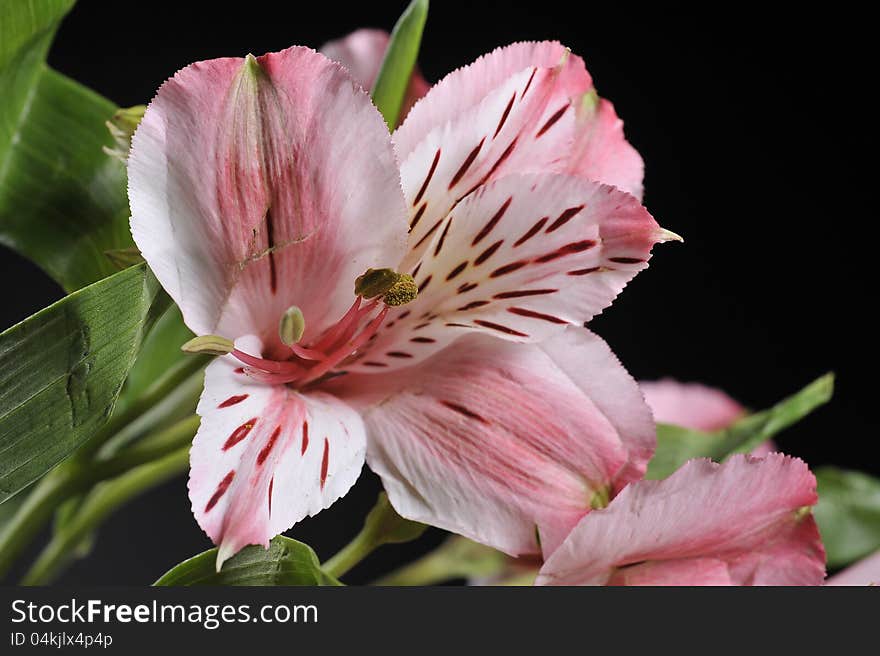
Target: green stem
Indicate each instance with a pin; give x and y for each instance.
(427, 570)
(72, 477)
(363, 545)
(102, 502)
(164, 386)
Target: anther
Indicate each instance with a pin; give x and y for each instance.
(291, 326)
(209, 344)
(394, 288)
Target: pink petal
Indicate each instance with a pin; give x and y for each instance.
(508, 112)
(361, 52)
(747, 512)
(257, 187)
(520, 259)
(864, 572)
(601, 151)
(690, 405)
(265, 456)
(685, 571)
(501, 442)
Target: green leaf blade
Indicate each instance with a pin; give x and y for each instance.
(62, 199)
(61, 371)
(389, 89)
(285, 562)
(848, 514)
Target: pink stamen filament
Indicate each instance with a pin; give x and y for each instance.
(340, 342)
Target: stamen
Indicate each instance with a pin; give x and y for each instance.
(292, 326)
(209, 344)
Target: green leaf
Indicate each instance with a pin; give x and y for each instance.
(63, 201)
(286, 562)
(391, 84)
(848, 514)
(62, 369)
(676, 445)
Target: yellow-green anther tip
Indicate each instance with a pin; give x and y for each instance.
(209, 345)
(292, 325)
(402, 292)
(600, 498)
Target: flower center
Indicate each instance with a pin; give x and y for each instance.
(377, 289)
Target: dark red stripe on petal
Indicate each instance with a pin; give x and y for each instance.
(529, 83)
(375, 364)
(424, 284)
(564, 218)
(568, 249)
(267, 449)
(468, 286)
(460, 409)
(551, 121)
(473, 305)
(270, 244)
(507, 268)
(220, 491)
(627, 260)
(418, 216)
(492, 222)
(494, 168)
(305, 440)
(583, 272)
(442, 239)
(423, 340)
(457, 270)
(523, 312)
(505, 115)
(325, 462)
(427, 179)
(232, 400)
(239, 434)
(458, 325)
(532, 231)
(422, 325)
(239, 370)
(489, 252)
(271, 485)
(428, 234)
(499, 328)
(398, 354)
(525, 292)
(466, 164)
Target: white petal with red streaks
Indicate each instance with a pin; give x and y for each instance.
(257, 186)
(498, 441)
(519, 259)
(265, 456)
(747, 513)
(525, 123)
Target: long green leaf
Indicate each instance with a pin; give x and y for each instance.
(286, 562)
(61, 371)
(848, 514)
(391, 84)
(62, 200)
(676, 445)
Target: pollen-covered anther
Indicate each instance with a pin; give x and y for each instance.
(394, 288)
(209, 345)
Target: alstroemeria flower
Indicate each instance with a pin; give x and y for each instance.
(361, 52)
(744, 522)
(695, 406)
(263, 190)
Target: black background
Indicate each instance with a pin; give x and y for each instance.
(754, 125)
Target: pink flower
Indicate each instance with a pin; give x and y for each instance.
(262, 189)
(864, 572)
(361, 52)
(695, 406)
(744, 522)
